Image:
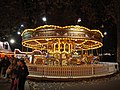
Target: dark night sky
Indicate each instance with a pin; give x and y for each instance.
(93, 13)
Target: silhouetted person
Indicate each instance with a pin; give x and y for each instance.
(5, 63)
(22, 74)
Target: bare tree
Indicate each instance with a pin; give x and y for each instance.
(113, 10)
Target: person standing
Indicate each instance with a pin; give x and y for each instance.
(12, 72)
(22, 74)
(5, 63)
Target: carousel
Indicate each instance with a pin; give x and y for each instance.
(65, 52)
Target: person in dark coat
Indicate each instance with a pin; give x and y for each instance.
(22, 74)
(5, 63)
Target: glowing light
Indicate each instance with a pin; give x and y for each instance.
(18, 32)
(44, 19)
(102, 26)
(22, 25)
(47, 40)
(86, 35)
(12, 41)
(78, 40)
(79, 20)
(105, 33)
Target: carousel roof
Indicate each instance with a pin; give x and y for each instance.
(82, 36)
(51, 27)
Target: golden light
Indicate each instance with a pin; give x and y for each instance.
(54, 36)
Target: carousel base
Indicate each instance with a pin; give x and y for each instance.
(44, 72)
(38, 78)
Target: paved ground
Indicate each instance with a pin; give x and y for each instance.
(106, 83)
(5, 84)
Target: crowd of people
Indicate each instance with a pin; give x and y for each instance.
(15, 70)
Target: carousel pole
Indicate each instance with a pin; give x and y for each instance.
(64, 46)
(54, 47)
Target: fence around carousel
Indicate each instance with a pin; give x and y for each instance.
(81, 71)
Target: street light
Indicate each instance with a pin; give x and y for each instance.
(12, 41)
(105, 33)
(22, 25)
(79, 20)
(18, 32)
(44, 19)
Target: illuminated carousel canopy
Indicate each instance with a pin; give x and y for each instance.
(62, 61)
(74, 37)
